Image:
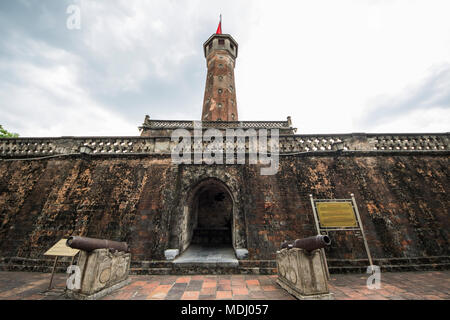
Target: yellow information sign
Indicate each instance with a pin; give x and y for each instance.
(61, 249)
(336, 214)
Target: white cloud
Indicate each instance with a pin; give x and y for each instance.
(322, 62)
(48, 101)
(426, 120)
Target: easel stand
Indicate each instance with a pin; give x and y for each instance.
(58, 250)
(340, 215)
(53, 273)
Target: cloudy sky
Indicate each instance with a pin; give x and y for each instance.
(333, 66)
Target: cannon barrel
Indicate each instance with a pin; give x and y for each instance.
(89, 244)
(312, 243)
(285, 245)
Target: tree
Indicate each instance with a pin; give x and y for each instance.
(5, 134)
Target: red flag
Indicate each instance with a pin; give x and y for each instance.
(219, 28)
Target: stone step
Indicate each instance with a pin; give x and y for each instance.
(205, 270)
(258, 263)
(156, 271)
(269, 271)
(151, 264)
(391, 268)
(31, 268)
(244, 266)
(389, 261)
(202, 270)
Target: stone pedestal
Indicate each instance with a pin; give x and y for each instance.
(102, 271)
(241, 254)
(171, 254)
(303, 274)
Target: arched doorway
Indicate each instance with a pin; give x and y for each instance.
(212, 211)
(208, 224)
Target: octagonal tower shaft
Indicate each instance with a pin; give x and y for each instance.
(219, 103)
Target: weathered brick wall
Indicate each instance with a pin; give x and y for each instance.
(43, 201)
(403, 202)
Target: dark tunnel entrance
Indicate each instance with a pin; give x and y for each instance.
(212, 210)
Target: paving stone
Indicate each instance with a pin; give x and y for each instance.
(224, 287)
(253, 282)
(176, 295)
(179, 285)
(394, 286)
(190, 295)
(224, 294)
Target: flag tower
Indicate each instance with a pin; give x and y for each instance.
(219, 103)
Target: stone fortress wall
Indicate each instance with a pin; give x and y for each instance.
(127, 189)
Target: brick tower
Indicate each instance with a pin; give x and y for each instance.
(219, 103)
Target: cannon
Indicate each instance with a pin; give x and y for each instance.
(312, 243)
(302, 268)
(90, 244)
(308, 244)
(286, 245)
(103, 267)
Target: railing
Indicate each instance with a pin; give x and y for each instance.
(174, 124)
(42, 147)
(410, 142)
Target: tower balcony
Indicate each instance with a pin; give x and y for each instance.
(221, 42)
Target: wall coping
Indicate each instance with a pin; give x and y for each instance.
(30, 147)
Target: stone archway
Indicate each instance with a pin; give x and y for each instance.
(212, 214)
(192, 221)
(209, 215)
(209, 206)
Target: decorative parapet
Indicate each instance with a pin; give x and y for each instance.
(183, 124)
(409, 141)
(288, 144)
(365, 142)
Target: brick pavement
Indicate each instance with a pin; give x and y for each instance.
(432, 285)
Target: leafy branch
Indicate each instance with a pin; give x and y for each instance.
(5, 134)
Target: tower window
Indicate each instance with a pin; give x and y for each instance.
(220, 65)
(232, 47)
(221, 42)
(220, 91)
(210, 46)
(220, 78)
(219, 105)
(231, 88)
(232, 116)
